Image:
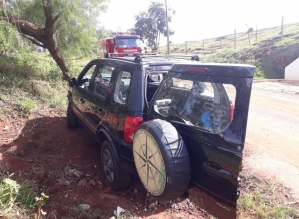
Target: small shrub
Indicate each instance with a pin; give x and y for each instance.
(15, 199)
(27, 105)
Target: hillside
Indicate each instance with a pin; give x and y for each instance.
(267, 51)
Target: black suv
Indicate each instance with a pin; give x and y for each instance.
(176, 123)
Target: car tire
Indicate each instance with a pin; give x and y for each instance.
(161, 159)
(114, 174)
(71, 118)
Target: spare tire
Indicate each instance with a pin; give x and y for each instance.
(161, 159)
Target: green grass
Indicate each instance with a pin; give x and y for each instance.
(269, 53)
(263, 201)
(27, 105)
(208, 46)
(16, 200)
(32, 82)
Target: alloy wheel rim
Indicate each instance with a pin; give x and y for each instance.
(108, 165)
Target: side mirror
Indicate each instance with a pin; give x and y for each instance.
(72, 82)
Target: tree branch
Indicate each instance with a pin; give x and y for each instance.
(25, 27)
(48, 14)
(33, 41)
(2, 3)
(55, 18)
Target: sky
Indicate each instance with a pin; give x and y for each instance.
(203, 19)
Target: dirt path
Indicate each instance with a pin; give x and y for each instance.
(47, 155)
(272, 141)
(65, 164)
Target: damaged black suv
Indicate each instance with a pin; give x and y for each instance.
(174, 122)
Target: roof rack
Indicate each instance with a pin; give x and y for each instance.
(140, 57)
(110, 55)
(186, 57)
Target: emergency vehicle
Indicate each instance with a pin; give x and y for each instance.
(120, 45)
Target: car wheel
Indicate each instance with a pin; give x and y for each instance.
(115, 176)
(161, 159)
(71, 118)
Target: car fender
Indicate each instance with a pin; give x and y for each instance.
(103, 131)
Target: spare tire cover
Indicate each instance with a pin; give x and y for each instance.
(161, 159)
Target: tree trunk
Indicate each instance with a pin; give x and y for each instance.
(43, 37)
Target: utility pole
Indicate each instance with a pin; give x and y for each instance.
(167, 27)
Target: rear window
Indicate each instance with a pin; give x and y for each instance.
(207, 105)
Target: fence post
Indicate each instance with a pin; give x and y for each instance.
(255, 33)
(281, 32)
(235, 40)
(248, 38)
(186, 47)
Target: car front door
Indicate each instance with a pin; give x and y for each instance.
(208, 105)
(83, 90)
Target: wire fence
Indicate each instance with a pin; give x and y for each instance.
(234, 41)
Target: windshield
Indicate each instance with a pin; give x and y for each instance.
(128, 42)
(197, 103)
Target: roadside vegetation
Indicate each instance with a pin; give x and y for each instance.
(63, 28)
(30, 81)
(261, 199)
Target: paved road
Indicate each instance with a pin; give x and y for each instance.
(272, 141)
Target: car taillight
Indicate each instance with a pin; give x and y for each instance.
(130, 126)
(232, 109)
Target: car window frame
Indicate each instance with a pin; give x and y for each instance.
(84, 71)
(209, 79)
(120, 68)
(101, 64)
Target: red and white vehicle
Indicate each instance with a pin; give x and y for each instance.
(120, 45)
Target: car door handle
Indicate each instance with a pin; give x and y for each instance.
(221, 172)
(82, 100)
(101, 111)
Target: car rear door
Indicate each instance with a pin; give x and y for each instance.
(98, 102)
(208, 105)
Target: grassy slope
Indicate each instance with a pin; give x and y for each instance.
(269, 53)
(31, 84)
